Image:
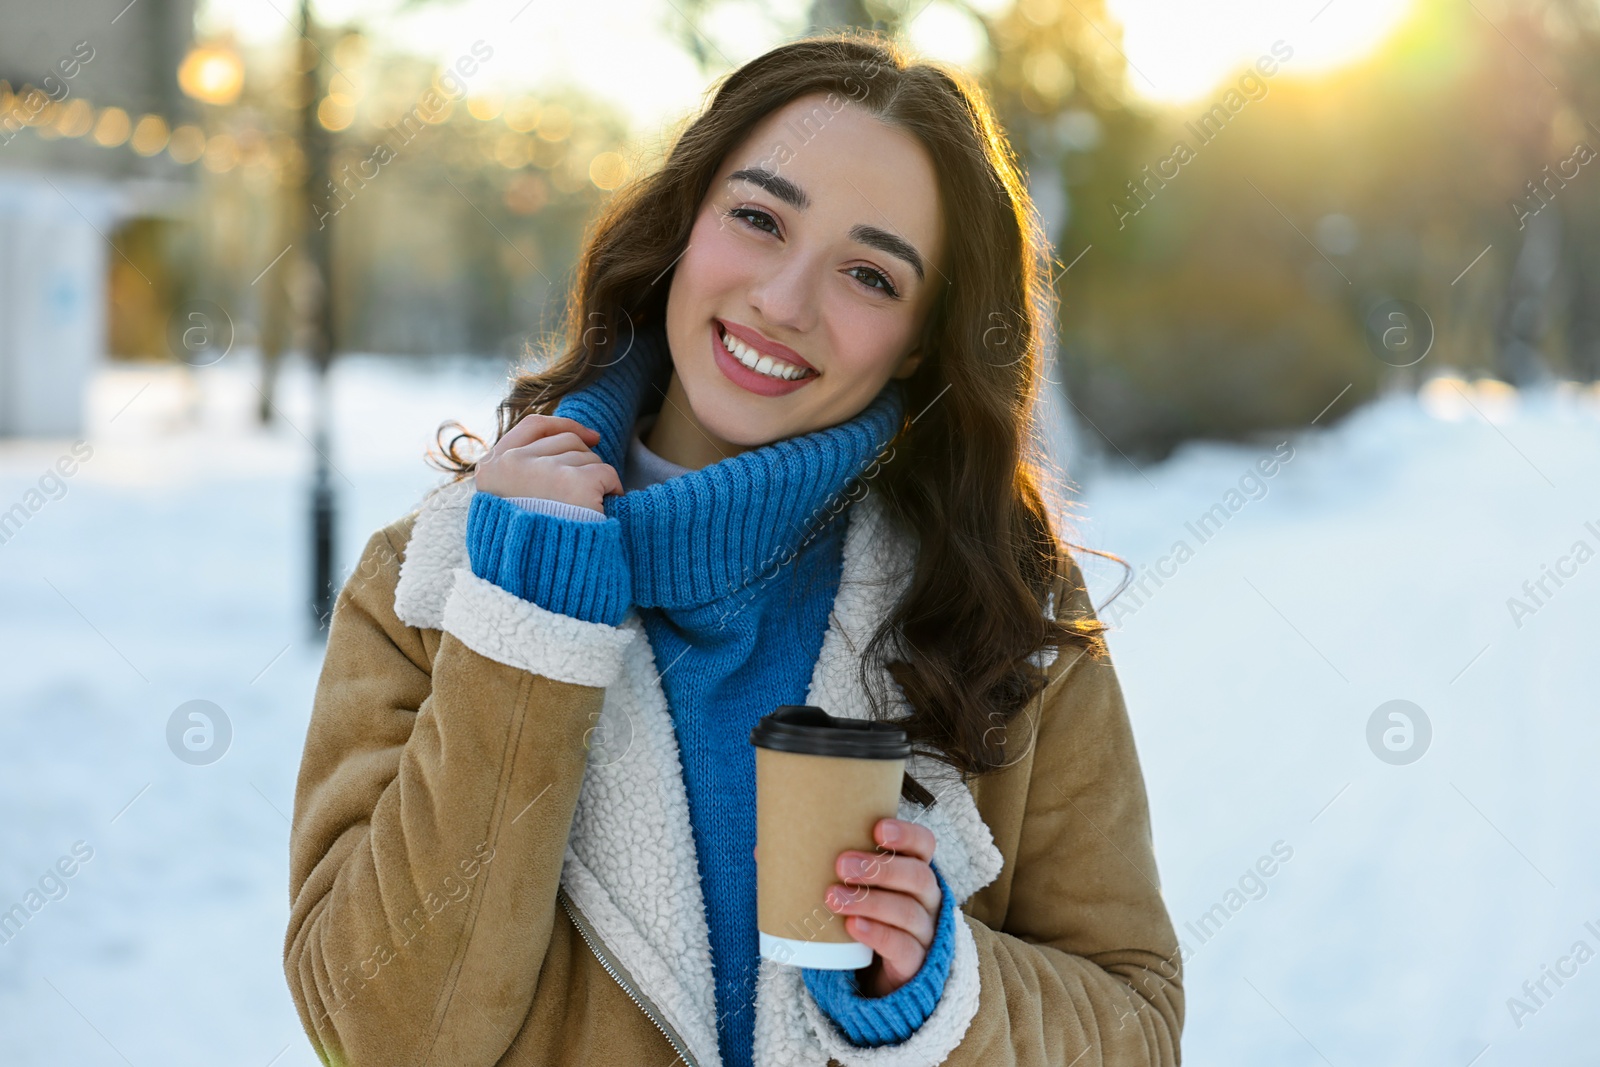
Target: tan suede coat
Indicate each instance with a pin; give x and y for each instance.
(491, 861)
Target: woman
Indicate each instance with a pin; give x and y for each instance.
(781, 462)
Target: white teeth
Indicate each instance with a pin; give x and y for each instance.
(766, 365)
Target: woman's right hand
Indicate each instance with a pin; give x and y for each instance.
(548, 456)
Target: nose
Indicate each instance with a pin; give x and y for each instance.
(787, 294)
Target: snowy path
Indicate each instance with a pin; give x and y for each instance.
(1420, 896)
(1415, 900)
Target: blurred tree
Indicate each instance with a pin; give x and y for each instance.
(844, 14)
(1563, 39)
(1226, 291)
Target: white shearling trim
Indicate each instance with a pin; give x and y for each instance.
(783, 1035)
(939, 1034)
(519, 633)
(965, 849)
(438, 545)
(875, 573)
(631, 864)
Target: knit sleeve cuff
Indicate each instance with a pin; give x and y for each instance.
(870, 1022)
(571, 567)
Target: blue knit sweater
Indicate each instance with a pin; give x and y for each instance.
(733, 570)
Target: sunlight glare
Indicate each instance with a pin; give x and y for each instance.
(1180, 51)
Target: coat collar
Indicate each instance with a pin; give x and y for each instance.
(630, 864)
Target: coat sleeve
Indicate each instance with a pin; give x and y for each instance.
(432, 810)
(1086, 969)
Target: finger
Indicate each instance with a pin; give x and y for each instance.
(901, 954)
(574, 458)
(598, 480)
(553, 445)
(613, 482)
(899, 874)
(884, 906)
(512, 465)
(533, 426)
(906, 838)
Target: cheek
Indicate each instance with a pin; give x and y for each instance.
(716, 261)
(866, 344)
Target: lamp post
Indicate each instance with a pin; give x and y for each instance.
(214, 74)
(314, 143)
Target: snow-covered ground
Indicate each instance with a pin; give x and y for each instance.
(1407, 901)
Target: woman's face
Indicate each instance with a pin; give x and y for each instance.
(819, 244)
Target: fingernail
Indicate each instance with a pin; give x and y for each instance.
(890, 832)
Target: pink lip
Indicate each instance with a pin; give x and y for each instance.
(746, 378)
(764, 346)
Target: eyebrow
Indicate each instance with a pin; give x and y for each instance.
(796, 197)
(776, 184)
(885, 241)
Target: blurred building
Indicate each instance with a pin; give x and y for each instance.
(77, 78)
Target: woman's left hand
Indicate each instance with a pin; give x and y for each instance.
(890, 901)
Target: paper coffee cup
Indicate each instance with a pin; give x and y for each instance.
(822, 784)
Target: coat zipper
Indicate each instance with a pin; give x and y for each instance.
(616, 971)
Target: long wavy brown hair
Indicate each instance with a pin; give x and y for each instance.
(959, 479)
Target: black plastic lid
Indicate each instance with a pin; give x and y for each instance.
(810, 730)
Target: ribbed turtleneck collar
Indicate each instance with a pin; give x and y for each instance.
(710, 532)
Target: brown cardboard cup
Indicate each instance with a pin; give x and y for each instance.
(822, 784)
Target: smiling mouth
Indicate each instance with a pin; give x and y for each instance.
(761, 364)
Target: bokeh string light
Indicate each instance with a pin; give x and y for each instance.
(531, 133)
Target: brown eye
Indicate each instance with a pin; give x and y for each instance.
(874, 273)
(751, 217)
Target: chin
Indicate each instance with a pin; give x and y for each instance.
(730, 414)
(746, 431)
